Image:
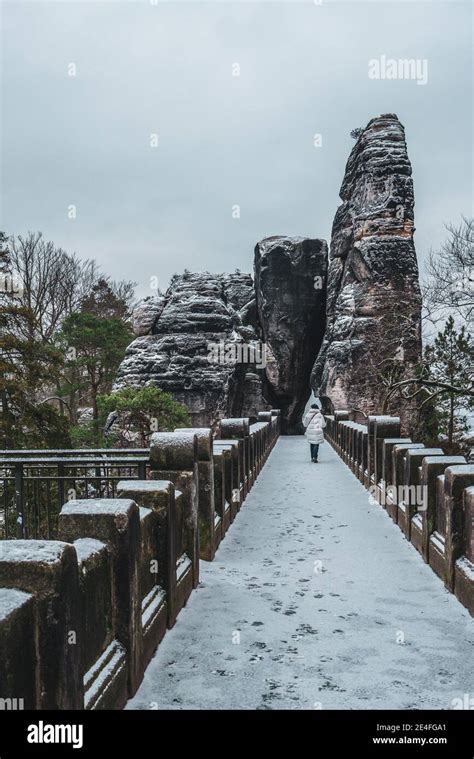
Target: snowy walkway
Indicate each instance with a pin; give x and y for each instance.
(313, 634)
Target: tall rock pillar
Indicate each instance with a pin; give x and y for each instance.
(373, 299)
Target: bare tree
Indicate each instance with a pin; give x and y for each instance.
(54, 283)
(124, 291)
(388, 353)
(449, 285)
(79, 277)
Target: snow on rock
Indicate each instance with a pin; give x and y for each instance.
(466, 566)
(185, 339)
(174, 351)
(85, 415)
(143, 486)
(373, 297)
(145, 314)
(467, 469)
(117, 506)
(290, 287)
(103, 675)
(87, 547)
(47, 551)
(11, 599)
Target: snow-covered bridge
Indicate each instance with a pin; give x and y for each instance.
(343, 584)
(314, 600)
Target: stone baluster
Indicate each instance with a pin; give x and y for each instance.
(161, 549)
(431, 468)
(363, 473)
(398, 472)
(456, 479)
(384, 427)
(235, 496)
(174, 457)
(210, 528)
(329, 430)
(223, 486)
(276, 422)
(464, 566)
(48, 571)
(412, 500)
(266, 418)
(116, 523)
(104, 662)
(386, 485)
(261, 429)
(339, 416)
(238, 429)
(19, 686)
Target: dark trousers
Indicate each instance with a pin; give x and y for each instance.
(314, 450)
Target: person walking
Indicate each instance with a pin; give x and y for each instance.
(314, 422)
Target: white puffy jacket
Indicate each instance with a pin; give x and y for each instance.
(314, 422)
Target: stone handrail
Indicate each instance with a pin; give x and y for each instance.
(429, 494)
(81, 617)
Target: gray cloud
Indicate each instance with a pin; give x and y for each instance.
(223, 140)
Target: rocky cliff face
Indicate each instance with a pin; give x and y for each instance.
(191, 341)
(290, 285)
(373, 298)
(226, 346)
(196, 341)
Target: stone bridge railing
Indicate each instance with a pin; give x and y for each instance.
(80, 617)
(428, 494)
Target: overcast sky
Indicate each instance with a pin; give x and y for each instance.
(223, 140)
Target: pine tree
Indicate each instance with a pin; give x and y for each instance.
(94, 340)
(450, 363)
(142, 411)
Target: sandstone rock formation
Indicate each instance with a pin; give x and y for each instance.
(367, 298)
(290, 286)
(145, 314)
(226, 346)
(373, 299)
(188, 348)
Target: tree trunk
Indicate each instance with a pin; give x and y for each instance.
(60, 402)
(95, 411)
(451, 422)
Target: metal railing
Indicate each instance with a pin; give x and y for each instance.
(34, 485)
(71, 452)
